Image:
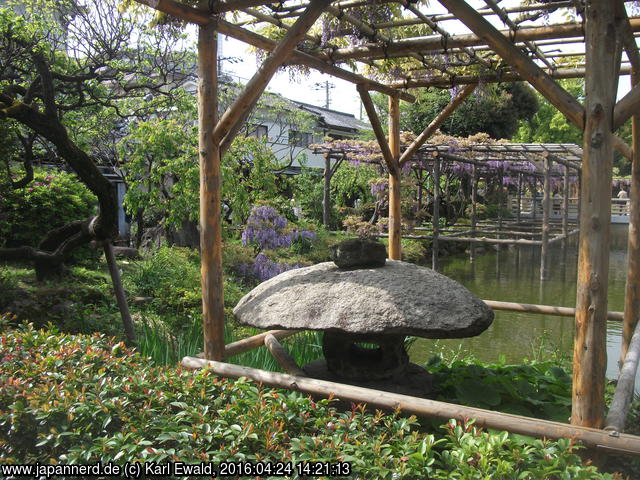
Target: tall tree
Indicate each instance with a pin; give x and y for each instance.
(65, 64)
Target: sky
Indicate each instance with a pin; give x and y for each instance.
(343, 95)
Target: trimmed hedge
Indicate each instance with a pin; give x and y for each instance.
(81, 399)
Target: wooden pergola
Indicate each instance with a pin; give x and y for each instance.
(541, 162)
(484, 54)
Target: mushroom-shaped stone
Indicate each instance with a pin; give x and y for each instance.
(399, 298)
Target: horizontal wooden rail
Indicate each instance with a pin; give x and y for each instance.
(624, 390)
(619, 443)
(543, 309)
(246, 344)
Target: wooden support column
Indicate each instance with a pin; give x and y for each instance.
(565, 202)
(589, 352)
(519, 213)
(632, 289)
(232, 120)
(436, 213)
(326, 191)
(474, 213)
(395, 214)
(210, 195)
(546, 213)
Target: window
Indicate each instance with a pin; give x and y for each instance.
(299, 139)
(257, 131)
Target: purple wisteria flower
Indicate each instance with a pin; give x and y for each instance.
(266, 229)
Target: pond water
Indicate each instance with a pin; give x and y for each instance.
(512, 274)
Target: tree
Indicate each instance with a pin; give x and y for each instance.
(68, 67)
(493, 109)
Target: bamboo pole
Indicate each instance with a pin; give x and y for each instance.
(210, 196)
(546, 213)
(430, 43)
(619, 408)
(543, 309)
(436, 214)
(389, 159)
(563, 236)
(589, 353)
(436, 123)
(283, 358)
(632, 287)
(121, 299)
(495, 241)
(449, 81)
(531, 72)
(622, 443)
(232, 120)
(395, 214)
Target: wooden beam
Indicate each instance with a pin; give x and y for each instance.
(435, 217)
(389, 160)
(449, 81)
(232, 120)
(283, 358)
(629, 444)
(395, 213)
(589, 353)
(543, 309)
(431, 43)
(626, 107)
(210, 195)
(199, 17)
(557, 95)
(436, 123)
(306, 59)
(246, 344)
(622, 147)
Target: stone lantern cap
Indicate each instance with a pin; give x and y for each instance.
(399, 298)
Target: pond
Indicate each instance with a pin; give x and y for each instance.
(512, 274)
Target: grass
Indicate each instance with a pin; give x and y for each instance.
(166, 348)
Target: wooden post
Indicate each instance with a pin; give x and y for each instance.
(210, 196)
(632, 289)
(546, 213)
(589, 352)
(121, 299)
(326, 192)
(534, 203)
(474, 213)
(436, 213)
(519, 198)
(423, 407)
(395, 215)
(565, 201)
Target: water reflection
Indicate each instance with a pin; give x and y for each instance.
(511, 274)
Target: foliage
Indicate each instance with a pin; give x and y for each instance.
(537, 389)
(548, 125)
(54, 199)
(76, 399)
(493, 109)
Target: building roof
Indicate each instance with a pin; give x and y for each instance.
(333, 118)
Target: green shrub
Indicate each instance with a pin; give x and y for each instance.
(79, 399)
(53, 199)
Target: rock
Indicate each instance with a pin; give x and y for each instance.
(399, 298)
(358, 253)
